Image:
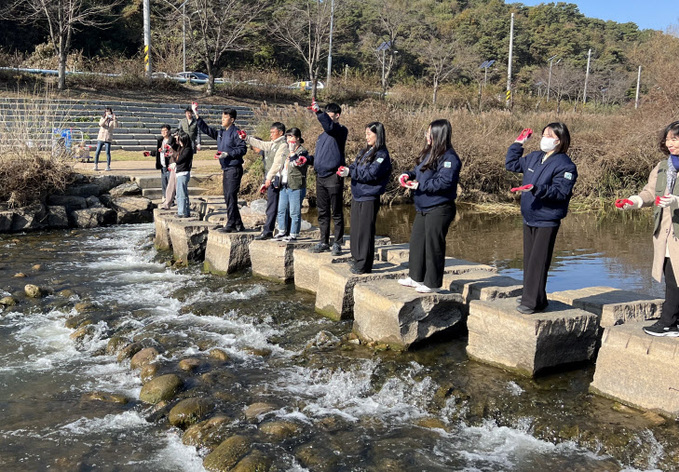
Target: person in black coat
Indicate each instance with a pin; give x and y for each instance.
(182, 169)
(434, 182)
(164, 141)
(548, 179)
(369, 175)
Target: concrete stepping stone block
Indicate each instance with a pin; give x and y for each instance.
(389, 313)
(161, 220)
(528, 344)
(306, 265)
(188, 237)
(637, 369)
(394, 253)
(274, 260)
(482, 285)
(226, 253)
(613, 306)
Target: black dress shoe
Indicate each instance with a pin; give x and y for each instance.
(263, 237)
(525, 310)
(240, 228)
(227, 229)
(355, 270)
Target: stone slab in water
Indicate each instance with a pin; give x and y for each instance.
(613, 306)
(188, 237)
(386, 312)
(161, 220)
(527, 344)
(227, 252)
(482, 285)
(274, 260)
(637, 369)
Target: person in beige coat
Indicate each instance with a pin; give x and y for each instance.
(107, 123)
(662, 192)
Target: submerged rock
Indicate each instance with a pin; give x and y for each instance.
(256, 461)
(148, 372)
(105, 397)
(218, 354)
(8, 301)
(143, 357)
(208, 433)
(115, 344)
(316, 457)
(128, 351)
(161, 388)
(280, 430)
(256, 409)
(189, 411)
(189, 365)
(227, 454)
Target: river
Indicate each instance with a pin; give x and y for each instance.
(430, 409)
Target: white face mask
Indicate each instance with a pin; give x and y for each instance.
(548, 144)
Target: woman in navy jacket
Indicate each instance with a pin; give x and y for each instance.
(548, 179)
(434, 181)
(369, 175)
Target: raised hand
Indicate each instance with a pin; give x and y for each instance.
(314, 106)
(194, 107)
(525, 134)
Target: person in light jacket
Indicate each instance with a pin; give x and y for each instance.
(662, 191)
(107, 123)
(292, 186)
(434, 182)
(548, 179)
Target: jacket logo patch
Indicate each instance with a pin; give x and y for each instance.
(530, 170)
(380, 160)
(568, 176)
(447, 165)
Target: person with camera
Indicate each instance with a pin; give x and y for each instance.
(107, 123)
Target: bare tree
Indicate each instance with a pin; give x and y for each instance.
(440, 54)
(566, 82)
(61, 18)
(304, 26)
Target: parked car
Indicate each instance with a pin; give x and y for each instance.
(307, 85)
(194, 77)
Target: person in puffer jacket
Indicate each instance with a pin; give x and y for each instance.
(369, 176)
(434, 182)
(548, 179)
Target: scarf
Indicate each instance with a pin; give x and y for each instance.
(672, 166)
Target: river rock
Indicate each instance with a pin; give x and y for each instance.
(252, 217)
(85, 306)
(148, 372)
(143, 357)
(257, 409)
(208, 433)
(129, 350)
(316, 457)
(8, 301)
(105, 397)
(189, 411)
(6, 218)
(71, 202)
(218, 354)
(33, 291)
(189, 365)
(256, 461)
(226, 253)
(57, 217)
(30, 217)
(93, 202)
(115, 344)
(227, 454)
(93, 217)
(133, 210)
(86, 186)
(126, 190)
(20, 275)
(66, 293)
(280, 430)
(161, 388)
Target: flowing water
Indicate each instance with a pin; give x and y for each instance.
(356, 409)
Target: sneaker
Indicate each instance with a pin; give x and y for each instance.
(108, 168)
(95, 168)
(424, 289)
(408, 282)
(279, 237)
(336, 249)
(320, 247)
(658, 329)
(290, 237)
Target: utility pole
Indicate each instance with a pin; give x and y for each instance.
(332, 18)
(584, 93)
(549, 80)
(147, 38)
(636, 99)
(509, 64)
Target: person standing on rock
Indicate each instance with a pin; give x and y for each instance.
(434, 183)
(230, 152)
(546, 190)
(107, 123)
(189, 125)
(369, 176)
(329, 156)
(293, 186)
(164, 144)
(663, 192)
(275, 153)
(183, 173)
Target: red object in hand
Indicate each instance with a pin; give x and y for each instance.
(218, 154)
(339, 170)
(262, 189)
(314, 106)
(403, 179)
(523, 188)
(301, 160)
(657, 201)
(147, 154)
(525, 134)
(194, 105)
(621, 202)
(242, 134)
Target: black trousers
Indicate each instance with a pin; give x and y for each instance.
(329, 192)
(231, 186)
(670, 307)
(271, 210)
(362, 241)
(428, 245)
(538, 247)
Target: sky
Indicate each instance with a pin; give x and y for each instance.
(653, 14)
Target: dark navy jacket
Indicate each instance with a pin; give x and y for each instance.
(228, 142)
(436, 186)
(369, 179)
(329, 154)
(547, 204)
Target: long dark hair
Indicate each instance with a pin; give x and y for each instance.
(560, 130)
(673, 129)
(441, 133)
(185, 140)
(369, 153)
(106, 110)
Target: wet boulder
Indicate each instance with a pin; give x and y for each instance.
(257, 409)
(93, 217)
(115, 344)
(30, 217)
(208, 433)
(70, 202)
(132, 209)
(148, 372)
(189, 411)
(143, 357)
(219, 355)
(189, 365)
(129, 350)
(93, 202)
(256, 461)
(8, 301)
(126, 190)
(105, 397)
(280, 430)
(316, 457)
(57, 217)
(161, 388)
(33, 291)
(6, 218)
(227, 454)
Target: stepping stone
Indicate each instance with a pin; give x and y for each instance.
(637, 369)
(613, 306)
(188, 237)
(273, 260)
(394, 253)
(482, 285)
(227, 252)
(161, 220)
(389, 313)
(528, 344)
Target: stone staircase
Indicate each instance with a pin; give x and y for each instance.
(138, 122)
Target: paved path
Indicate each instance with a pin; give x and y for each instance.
(145, 167)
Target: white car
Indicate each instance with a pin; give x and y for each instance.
(307, 85)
